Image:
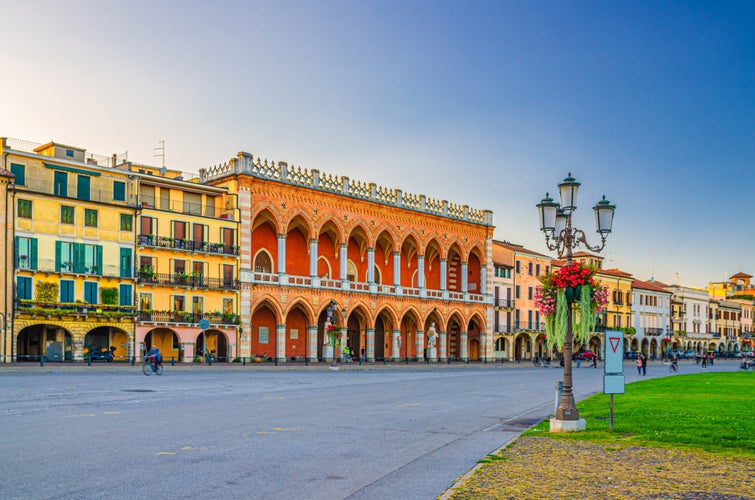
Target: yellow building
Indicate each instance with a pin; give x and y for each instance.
(187, 266)
(72, 252)
(528, 339)
(617, 314)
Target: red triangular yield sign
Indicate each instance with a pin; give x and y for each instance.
(614, 343)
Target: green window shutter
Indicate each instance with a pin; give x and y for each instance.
(57, 256)
(33, 253)
(79, 258)
(15, 252)
(125, 262)
(20, 172)
(82, 187)
(100, 265)
(119, 191)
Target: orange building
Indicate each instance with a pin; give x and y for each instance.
(398, 270)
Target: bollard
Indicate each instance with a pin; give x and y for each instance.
(133, 360)
(407, 359)
(243, 361)
(383, 360)
(89, 359)
(276, 361)
(172, 361)
(306, 360)
(209, 360)
(467, 360)
(559, 392)
(41, 361)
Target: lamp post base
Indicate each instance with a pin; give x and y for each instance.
(568, 425)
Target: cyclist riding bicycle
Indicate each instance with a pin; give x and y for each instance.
(155, 356)
(675, 363)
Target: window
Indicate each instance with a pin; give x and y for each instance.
(66, 214)
(517, 292)
(26, 252)
(125, 295)
(92, 259)
(179, 303)
(90, 217)
(228, 275)
(227, 306)
(23, 287)
(65, 256)
(90, 292)
(530, 292)
(66, 291)
(83, 187)
(197, 306)
(518, 267)
(537, 270)
(145, 301)
(119, 191)
(127, 222)
(530, 268)
(529, 320)
(24, 208)
(20, 172)
(69, 153)
(164, 198)
(60, 184)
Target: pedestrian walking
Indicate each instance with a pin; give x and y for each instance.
(595, 361)
(705, 361)
(710, 359)
(579, 361)
(644, 365)
(639, 365)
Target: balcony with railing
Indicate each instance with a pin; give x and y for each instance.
(504, 303)
(58, 309)
(186, 208)
(150, 240)
(194, 280)
(69, 190)
(215, 319)
(655, 331)
(51, 266)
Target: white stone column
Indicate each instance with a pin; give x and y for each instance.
(443, 273)
(420, 271)
(483, 280)
(370, 265)
(420, 343)
(312, 343)
(464, 348)
(280, 343)
(443, 355)
(397, 268)
(313, 258)
(464, 278)
(343, 261)
(281, 254)
(369, 351)
(344, 338)
(395, 347)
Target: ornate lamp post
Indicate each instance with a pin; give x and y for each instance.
(333, 318)
(562, 237)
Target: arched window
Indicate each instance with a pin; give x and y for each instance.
(263, 263)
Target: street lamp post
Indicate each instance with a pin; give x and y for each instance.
(561, 236)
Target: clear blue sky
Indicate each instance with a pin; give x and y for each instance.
(489, 104)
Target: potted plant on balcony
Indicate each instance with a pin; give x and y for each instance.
(22, 260)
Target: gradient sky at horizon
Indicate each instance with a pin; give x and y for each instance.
(485, 103)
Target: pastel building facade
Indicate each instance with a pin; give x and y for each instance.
(651, 308)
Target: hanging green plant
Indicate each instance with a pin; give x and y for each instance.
(47, 291)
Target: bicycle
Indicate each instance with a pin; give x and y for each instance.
(673, 367)
(149, 367)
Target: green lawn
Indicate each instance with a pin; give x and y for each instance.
(706, 411)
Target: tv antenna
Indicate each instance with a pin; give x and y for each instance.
(161, 153)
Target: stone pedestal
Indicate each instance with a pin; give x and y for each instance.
(432, 354)
(327, 353)
(568, 425)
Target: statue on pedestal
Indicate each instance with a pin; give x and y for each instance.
(432, 337)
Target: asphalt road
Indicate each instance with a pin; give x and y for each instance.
(107, 431)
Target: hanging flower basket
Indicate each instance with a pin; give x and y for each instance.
(573, 284)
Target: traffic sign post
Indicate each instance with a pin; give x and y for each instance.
(204, 325)
(613, 366)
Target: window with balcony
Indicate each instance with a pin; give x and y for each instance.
(66, 291)
(60, 184)
(83, 187)
(91, 289)
(24, 288)
(125, 295)
(26, 252)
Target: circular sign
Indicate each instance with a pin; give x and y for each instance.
(204, 324)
